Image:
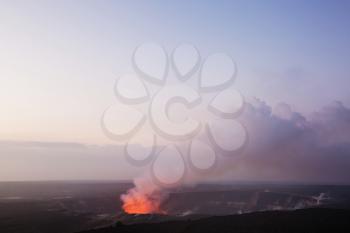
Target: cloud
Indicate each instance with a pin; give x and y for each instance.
(27, 160)
(286, 146)
(332, 123)
(40, 144)
(283, 146)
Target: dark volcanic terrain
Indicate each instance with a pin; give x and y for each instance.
(307, 220)
(67, 207)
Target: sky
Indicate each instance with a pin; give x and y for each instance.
(59, 61)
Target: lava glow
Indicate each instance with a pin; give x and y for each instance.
(136, 202)
(139, 205)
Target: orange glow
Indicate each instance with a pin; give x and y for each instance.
(138, 203)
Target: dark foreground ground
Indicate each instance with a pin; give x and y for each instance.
(76, 206)
(316, 220)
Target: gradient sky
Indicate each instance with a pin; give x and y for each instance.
(59, 60)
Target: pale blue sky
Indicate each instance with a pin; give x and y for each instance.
(60, 58)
